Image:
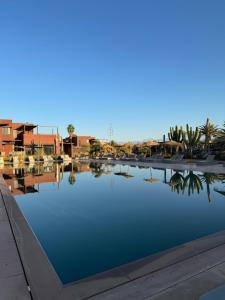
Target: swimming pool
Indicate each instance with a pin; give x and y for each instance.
(90, 218)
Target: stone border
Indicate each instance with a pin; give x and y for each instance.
(13, 283)
(44, 282)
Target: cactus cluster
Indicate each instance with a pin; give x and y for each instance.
(191, 138)
(176, 134)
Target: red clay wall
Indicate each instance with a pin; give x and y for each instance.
(38, 139)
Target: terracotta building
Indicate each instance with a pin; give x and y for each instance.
(21, 137)
(77, 141)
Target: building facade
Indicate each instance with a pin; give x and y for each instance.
(21, 137)
(76, 142)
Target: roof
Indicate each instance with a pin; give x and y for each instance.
(173, 144)
(151, 143)
(27, 125)
(4, 122)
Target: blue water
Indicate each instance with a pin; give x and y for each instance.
(93, 221)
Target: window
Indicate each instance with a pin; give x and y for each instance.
(5, 130)
(15, 134)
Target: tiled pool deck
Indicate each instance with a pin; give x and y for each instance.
(13, 283)
(184, 272)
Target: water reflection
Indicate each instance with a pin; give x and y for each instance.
(108, 220)
(29, 178)
(193, 183)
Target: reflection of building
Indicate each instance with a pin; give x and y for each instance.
(21, 137)
(27, 180)
(21, 181)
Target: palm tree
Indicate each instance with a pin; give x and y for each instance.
(209, 131)
(71, 129)
(221, 132)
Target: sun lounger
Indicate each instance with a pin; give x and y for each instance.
(155, 157)
(50, 159)
(45, 158)
(67, 158)
(31, 160)
(1, 161)
(177, 158)
(210, 160)
(15, 160)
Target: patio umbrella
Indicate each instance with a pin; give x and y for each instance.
(151, 144)
(124, 174)
(151, 179)
(173, 144)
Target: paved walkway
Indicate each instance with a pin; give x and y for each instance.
(186, 280)
(13, 285)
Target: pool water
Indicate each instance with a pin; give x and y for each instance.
(91, 218)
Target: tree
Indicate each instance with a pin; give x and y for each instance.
(96, 148)
(221, 132)
(209, 131)
(71, 129)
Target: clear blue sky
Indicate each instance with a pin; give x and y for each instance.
(141, 65)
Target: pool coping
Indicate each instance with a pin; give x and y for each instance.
(13, 283)
(45, 283)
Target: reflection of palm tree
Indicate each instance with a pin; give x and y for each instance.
(192, 183)
(71, 178)
(177, 182)
(96, 169)
(208, 179)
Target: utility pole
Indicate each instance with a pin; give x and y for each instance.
(110, 132)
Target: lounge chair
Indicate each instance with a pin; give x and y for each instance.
(210, 160)
(155, 157)
(50, 159)
(67, 158)
(15, 160)
(45, 158)
(1, 161)
(176, 158)
(31, 159)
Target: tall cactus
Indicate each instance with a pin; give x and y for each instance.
(191, 138)
(176, 134)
